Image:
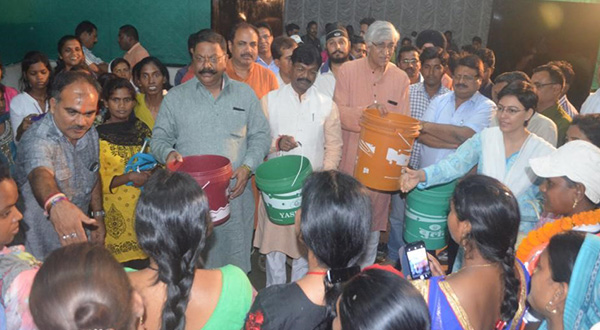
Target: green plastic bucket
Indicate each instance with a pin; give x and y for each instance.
(426, 215)
(281, 195)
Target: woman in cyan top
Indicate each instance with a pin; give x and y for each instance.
(501, 152)
(172, 223)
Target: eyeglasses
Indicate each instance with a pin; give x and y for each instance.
(382, 46)
(212, 59)
(409, 61)
(465, 77)
(540, 85)
(509, 110)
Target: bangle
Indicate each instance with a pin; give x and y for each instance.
(97, 213)
(247, 167)
(53, 200)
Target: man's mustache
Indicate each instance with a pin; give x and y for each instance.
(211, 71)
(304, 79)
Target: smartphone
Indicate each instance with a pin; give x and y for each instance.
(417, 260)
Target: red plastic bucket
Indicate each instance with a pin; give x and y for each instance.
(213, 174)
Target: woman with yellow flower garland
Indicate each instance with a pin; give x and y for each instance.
(571, 189)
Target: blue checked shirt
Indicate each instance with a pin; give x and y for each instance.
(419, 102)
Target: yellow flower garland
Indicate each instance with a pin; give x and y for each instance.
(542, 235)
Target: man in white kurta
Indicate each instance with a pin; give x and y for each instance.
(304, 122)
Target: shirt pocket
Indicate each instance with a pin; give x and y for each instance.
(63, 176)
(237, 123)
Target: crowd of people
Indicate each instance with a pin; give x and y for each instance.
(98, 232)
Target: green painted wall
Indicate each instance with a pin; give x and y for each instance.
(163, 26)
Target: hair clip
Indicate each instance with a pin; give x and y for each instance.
(339, 275)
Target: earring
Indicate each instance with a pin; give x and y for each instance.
(464, 243)
(550, 308)
(140, 323)
(575, 204)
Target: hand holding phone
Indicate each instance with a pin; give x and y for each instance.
(418, 262)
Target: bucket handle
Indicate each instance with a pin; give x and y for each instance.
(362, 145)
(301, 161)
(402, 137)
(205, 185)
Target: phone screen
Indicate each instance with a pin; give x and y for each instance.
(417, 260)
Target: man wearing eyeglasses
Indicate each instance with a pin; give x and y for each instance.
(214, 114)
(408, 61)
(549, 81)
(371, 82)
(242, 66)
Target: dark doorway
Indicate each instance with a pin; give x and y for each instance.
(227, 13)
(527, 33)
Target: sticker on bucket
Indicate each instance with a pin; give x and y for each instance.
(394, 155)
(426, 227)
(366, 147)
(220, 214)
(282, 208)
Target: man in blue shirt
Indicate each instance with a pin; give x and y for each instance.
(456, 116)
(265, 39)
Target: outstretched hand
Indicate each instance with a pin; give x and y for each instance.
(68, 221)
(410, 179)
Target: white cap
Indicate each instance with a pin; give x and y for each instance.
(297, 38)
(577, 160)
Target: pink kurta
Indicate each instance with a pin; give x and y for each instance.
(355, 89)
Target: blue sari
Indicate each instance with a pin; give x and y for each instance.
(446, 311)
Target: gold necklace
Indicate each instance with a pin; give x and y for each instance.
(473, 266)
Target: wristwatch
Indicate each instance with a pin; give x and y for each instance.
(97, 213)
